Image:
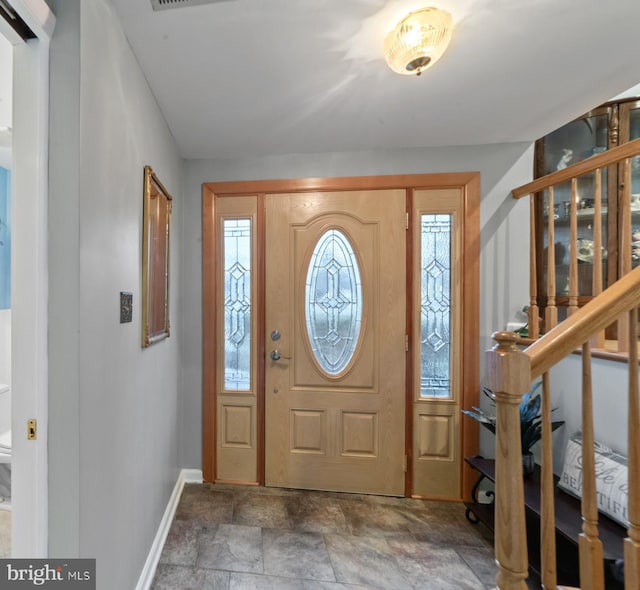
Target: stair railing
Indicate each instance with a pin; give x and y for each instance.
(546, 188)
(510, 372)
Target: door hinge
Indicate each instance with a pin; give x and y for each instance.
(406, 462)
(406, 223)
(32, 429)
(406, 343)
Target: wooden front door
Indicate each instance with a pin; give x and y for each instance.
(340, 333)
(335, 325)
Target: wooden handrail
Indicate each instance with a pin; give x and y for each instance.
(596, 315)
(608, 158)
(510, 372)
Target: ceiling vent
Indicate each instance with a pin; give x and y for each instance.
(165, 4)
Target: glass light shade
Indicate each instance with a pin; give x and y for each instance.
(418, 41)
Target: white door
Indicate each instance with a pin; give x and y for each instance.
(29, 277)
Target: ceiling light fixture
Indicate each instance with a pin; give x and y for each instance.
(418, 40)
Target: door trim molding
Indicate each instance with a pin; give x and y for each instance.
(469, 182)
(30, 286)
(471, 327)
(409, 358)
(209, 272)
(300, 185)
(261, 366)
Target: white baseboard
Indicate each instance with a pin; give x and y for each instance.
(149, 569)
(192, 475)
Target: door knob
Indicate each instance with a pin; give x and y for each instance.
(276, 355)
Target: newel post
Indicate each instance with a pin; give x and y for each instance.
(509, 376)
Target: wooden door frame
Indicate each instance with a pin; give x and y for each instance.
(468, 182)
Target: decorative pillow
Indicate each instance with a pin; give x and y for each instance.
(611, 478)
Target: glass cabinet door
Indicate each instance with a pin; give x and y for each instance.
(610, 125)
(572, 143)
(629, 130)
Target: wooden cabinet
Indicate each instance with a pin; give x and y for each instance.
(597, 131)
(568, 528)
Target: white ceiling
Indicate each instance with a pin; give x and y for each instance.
(255, 77)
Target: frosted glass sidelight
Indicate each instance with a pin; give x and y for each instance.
(435, 306)
(333, 301)
(237, 304)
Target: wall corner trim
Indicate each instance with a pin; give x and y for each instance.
(149, 569)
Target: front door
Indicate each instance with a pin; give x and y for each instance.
(340, 333)
(335, 320)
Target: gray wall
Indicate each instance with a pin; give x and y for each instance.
(610, 382)
(122, 419)
(504, 264)
(113, 447)
(503, 255)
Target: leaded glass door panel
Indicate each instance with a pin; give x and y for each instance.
(437, 269)
(335, 372)
(237, 382)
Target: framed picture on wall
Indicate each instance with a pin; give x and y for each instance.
(156, 234)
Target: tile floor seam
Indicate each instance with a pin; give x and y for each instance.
(333, 567)
(262, 548)
(473, 571)
(331, 561)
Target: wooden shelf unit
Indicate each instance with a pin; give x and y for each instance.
(568, 527)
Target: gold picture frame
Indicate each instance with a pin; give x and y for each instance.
(156, 241)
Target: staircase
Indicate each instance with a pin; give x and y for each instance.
(511, 370)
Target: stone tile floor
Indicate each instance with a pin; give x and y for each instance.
(237, 537)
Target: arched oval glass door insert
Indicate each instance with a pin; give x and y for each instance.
(333, 302)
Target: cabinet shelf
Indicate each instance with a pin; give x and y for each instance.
(585, 215)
